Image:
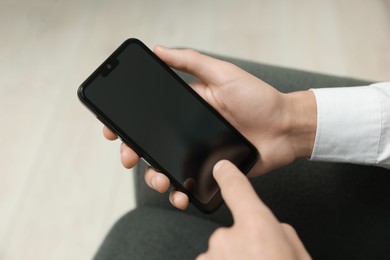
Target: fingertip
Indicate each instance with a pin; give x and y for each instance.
(179, 199)
(218, 165)
(156, 180)
(221, 166)
(108, 134)
(129, 158)
(157, 48)
(236, 190)
(160, 183)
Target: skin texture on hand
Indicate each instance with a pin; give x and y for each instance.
(281, 126)
(256, 233)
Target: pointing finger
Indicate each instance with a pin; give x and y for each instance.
(237, 191)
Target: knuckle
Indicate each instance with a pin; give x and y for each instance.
(288, 228)
(227, 69)
(190, 56)
(191, 53)
(217, 236)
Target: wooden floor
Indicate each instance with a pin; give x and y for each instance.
(61, 184)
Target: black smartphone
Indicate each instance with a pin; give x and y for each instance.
(165, 121)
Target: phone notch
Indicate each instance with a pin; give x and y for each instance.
(108, 66)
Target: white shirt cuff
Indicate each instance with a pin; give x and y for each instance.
(348, 125)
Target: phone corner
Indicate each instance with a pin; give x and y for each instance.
(80, 92)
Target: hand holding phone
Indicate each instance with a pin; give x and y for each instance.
(252, 106)
(165, 121)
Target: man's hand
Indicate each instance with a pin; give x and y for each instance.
(281, 126)
(256, 233)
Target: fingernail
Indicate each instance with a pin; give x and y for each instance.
(218, 165)
(154, 183)
(174, 201)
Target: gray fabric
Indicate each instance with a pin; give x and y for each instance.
(340, 211)
(148, 233)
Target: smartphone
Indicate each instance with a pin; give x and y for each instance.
(165, 121)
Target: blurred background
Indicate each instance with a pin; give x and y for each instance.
(61, 184)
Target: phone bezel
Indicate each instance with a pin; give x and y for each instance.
(216, 201)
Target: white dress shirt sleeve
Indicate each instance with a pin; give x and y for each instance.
(353, 125)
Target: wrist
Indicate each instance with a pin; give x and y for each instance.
(302, 122)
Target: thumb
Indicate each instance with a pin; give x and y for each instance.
(236, 190)
(201, 66)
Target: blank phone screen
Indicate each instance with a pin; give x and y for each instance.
(165, 121)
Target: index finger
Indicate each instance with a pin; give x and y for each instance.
(237, 191)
